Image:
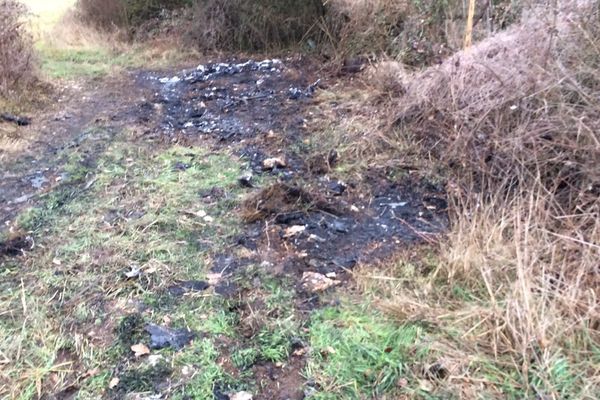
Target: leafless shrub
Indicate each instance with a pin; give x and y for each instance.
(126, 14)
(17, 59)
(252, 25)
(518, 108)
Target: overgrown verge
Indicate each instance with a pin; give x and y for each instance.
(512, 126)
(416, 32)
(17, 57)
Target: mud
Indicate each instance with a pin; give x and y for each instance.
(369, 230)
(259, 109)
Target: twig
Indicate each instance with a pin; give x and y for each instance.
(595, 246)
(15, 119)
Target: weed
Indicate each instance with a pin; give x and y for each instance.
(245, 358)
(130, 331)
(275, 341)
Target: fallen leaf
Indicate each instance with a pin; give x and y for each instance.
(315, 282)
(214, 279)
(241, 396)
(199, 214)
(294, 230)
(140, 349)
(271, 135)
(91, 373)
(134, 273)
(402, 383)
(113, 383)
(151, 270)
(425, 386)
(300, 352)
(186, 370)
(272, 163)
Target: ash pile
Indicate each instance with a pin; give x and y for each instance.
(232, 100)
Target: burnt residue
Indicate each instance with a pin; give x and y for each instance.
(362, 231)
(229, 100)
(15, 246)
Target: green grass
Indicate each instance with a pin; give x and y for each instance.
(357, 353)
(76, 275)
(203, 360)
(68, 63)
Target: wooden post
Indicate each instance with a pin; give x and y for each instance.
(469, 30)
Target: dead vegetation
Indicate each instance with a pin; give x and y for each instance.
(513, 123)
(17, 57)
(280, 199)
(128, 14)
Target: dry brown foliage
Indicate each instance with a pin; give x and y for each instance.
(514, 122)
(280, 199)
(17, 57)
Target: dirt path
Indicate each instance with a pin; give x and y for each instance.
(58, 131)
(183, 213)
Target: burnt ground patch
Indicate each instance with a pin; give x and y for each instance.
(300, 216)
(260, 109)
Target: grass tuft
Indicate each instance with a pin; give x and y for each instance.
(357, 353)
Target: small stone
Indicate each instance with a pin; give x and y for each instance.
(246, 180)
(340, 227)
(162, 337)
(315, 238)
(241, 396)
(134, 272)
(337, 188)
(154, 359)
(113, 383)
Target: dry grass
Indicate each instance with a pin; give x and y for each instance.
(17, 58)
(514, 125)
